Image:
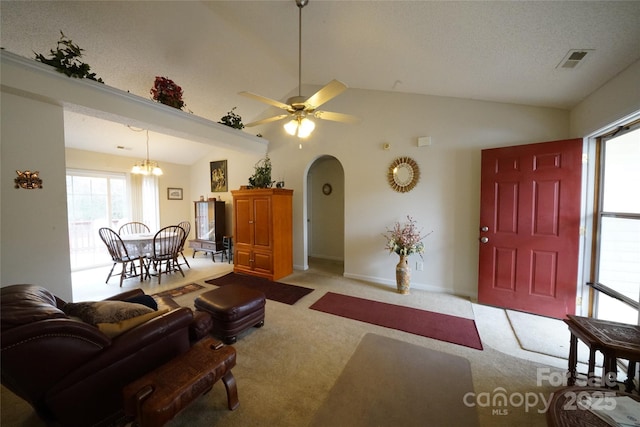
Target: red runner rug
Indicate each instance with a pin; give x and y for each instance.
(443, 327)
(275, 291)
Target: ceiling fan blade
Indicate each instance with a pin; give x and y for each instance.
(328, 92)
(336, 117)
(267, 120)
(266, 100)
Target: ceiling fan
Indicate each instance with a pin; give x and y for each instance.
(300, 108)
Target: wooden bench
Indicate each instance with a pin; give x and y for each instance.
(160, 395)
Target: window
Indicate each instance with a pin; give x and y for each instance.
(94, 200)
(618, 226)
(100, 199)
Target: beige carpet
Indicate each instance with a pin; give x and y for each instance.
(286, 370)
(386, 381)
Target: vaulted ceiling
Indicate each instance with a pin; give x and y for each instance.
(504, 51)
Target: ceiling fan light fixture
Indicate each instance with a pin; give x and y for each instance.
(301, 128)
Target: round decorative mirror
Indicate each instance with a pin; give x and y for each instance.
(403, 174)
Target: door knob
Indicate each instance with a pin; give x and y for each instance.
(485, 228)
(484, 239)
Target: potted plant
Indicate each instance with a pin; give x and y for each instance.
(405, 240)
(262, 175)
(232, 120)
(66, 59)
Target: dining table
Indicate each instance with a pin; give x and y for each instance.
(140, 245)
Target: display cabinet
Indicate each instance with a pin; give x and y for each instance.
(210, 227)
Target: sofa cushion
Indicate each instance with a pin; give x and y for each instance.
(105, 311)
(112, 330)
(22, 304)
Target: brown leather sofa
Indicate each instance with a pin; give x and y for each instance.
(70, 372)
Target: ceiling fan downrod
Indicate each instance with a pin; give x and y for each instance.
(300, 4)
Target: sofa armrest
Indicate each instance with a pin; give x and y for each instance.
(28, 367)
(140, 343)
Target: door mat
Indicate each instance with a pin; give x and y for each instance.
(443, 327)
(388, 382)
(179, 291)
(275, 291)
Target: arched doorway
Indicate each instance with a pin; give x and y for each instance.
(325, 213)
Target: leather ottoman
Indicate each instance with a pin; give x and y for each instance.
(160, 395)
(233, 309)
(201, 325)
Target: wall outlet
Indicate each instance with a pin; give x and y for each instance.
(419, 265)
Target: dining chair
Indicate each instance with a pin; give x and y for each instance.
(119, 254)
(133, 228)
(186, 226)
(227, 248)
(165, 251)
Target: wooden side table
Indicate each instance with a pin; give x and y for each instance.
(613, 339)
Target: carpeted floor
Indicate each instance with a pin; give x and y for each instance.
(443, 327)
(386, 382)
(287, 370)
(275, 291)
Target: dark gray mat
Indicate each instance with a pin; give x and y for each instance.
(394, 383)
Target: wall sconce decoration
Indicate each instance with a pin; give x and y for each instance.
(28, 180)
(403, 174)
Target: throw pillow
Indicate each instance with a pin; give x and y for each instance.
(112, 330)
(144, 300)
(105, 311)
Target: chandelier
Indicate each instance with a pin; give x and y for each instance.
(146, 167)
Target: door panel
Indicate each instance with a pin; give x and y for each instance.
(262, 222)
(530, 220)
(243, 218)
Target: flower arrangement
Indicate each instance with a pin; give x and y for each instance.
(166, 92)
(405, 239)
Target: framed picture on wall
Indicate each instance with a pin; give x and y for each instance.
(174, 193)
(218, 176)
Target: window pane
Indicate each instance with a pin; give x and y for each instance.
(622, 174)
(619, 267)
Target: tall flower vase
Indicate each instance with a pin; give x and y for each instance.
(403, 275)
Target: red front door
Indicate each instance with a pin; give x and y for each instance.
(529, 227)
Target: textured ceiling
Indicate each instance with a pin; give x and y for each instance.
(505, 51)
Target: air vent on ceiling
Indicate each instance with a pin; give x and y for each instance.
(574, 58)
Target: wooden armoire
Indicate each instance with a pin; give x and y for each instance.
(263, 227)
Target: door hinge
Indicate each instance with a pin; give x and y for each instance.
(583, 231)
(585, 158)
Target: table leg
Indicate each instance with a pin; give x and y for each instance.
(573, 359)
(629, 386)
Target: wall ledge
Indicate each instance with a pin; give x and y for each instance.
(30, 78)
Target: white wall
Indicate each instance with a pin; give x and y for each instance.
(240, 166)
(34, 238)
(446, 199)
(618, 98)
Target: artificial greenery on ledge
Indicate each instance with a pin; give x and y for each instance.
(232, 120)
(66, 59)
